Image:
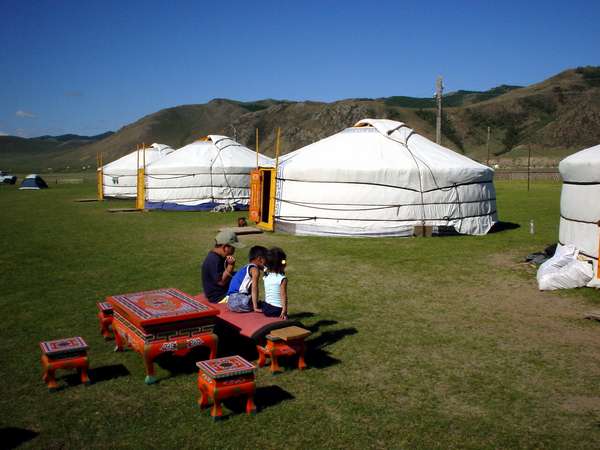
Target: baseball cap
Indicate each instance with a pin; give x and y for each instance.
(228, 237)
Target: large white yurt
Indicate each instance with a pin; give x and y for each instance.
(380, 178)
(212, 171)
(119, 178)
(580, 205)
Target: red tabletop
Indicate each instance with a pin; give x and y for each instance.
(160, 306)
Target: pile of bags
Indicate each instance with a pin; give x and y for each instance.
(565, 270)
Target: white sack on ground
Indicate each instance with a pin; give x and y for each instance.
(579, 205)
(380, 178)
(120, 176)
(564, 270)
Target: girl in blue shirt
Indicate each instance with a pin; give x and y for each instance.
(275, 283)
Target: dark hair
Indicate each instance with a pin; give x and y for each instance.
(242, 222)
(275, 260)
(258, 251)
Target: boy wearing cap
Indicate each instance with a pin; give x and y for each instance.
(218, 266)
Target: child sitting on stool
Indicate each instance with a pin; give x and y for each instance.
(275, 283)
(243, 289)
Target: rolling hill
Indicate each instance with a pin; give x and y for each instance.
(554, 117)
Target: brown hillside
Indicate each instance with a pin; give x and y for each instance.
(555, 117)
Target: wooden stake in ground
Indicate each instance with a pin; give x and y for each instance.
(488, 146)
(100, 176)
(257, 148)
(528, 166)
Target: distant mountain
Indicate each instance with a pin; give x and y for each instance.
(451, 99)
(75, 137)
(554, 118)
(43, 152)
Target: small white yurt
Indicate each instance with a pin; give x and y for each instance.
(212, 171)
(580, 205)
(380, 178)
(119, 178)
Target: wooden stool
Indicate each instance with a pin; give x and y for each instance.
(287, 341)
(69, 353)
(105, 315)
(223, 378)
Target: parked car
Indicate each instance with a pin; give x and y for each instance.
(7, 178)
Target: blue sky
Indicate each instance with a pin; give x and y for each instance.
(90, 66)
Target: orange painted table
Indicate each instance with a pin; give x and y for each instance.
(69, 353)
(222, 378)
(105, 315)
(160, 321)
(286, 341)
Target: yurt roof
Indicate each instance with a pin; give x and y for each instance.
(210, 153)
(128, 163)
(582, 167)
(383, 152)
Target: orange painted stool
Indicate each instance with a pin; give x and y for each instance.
(222, 378)
(105, 315)
(69, 353)
(286, 341)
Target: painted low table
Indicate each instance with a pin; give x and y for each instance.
(162, 321)
(105, 316)
(288, 341)
(222, 378)
(68, 353)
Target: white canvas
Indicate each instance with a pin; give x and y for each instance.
(380, 178)
(120, 176)
(203, 174)
(579, 205)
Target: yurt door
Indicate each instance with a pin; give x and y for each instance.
(262, 197)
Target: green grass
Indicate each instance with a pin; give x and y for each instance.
(418, 343)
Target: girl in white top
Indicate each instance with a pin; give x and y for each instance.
(275, 282)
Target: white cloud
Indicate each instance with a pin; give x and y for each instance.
(24, 114)
(2, 133)
(21, 132)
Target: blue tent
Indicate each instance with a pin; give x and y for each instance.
(33, 181)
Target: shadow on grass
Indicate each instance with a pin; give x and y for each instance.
(503, 226)
(316, 354)
(106, 373)
(301, 315)
(12, 437)
(97, 375)
(185, 364)
(232, 343)
(264, 397)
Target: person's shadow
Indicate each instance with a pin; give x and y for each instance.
(317, 355)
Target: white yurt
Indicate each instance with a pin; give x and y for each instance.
(579, 205)
(119, 178)
(380, 178)
(205, 174)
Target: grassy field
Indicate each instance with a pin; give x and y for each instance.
(417, 343)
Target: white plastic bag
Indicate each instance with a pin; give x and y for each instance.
(564, 270)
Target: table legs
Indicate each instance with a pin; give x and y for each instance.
(221, 390)
(50, 366)
(275, 349)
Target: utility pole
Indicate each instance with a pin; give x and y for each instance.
(488, 147)
(439, 87)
